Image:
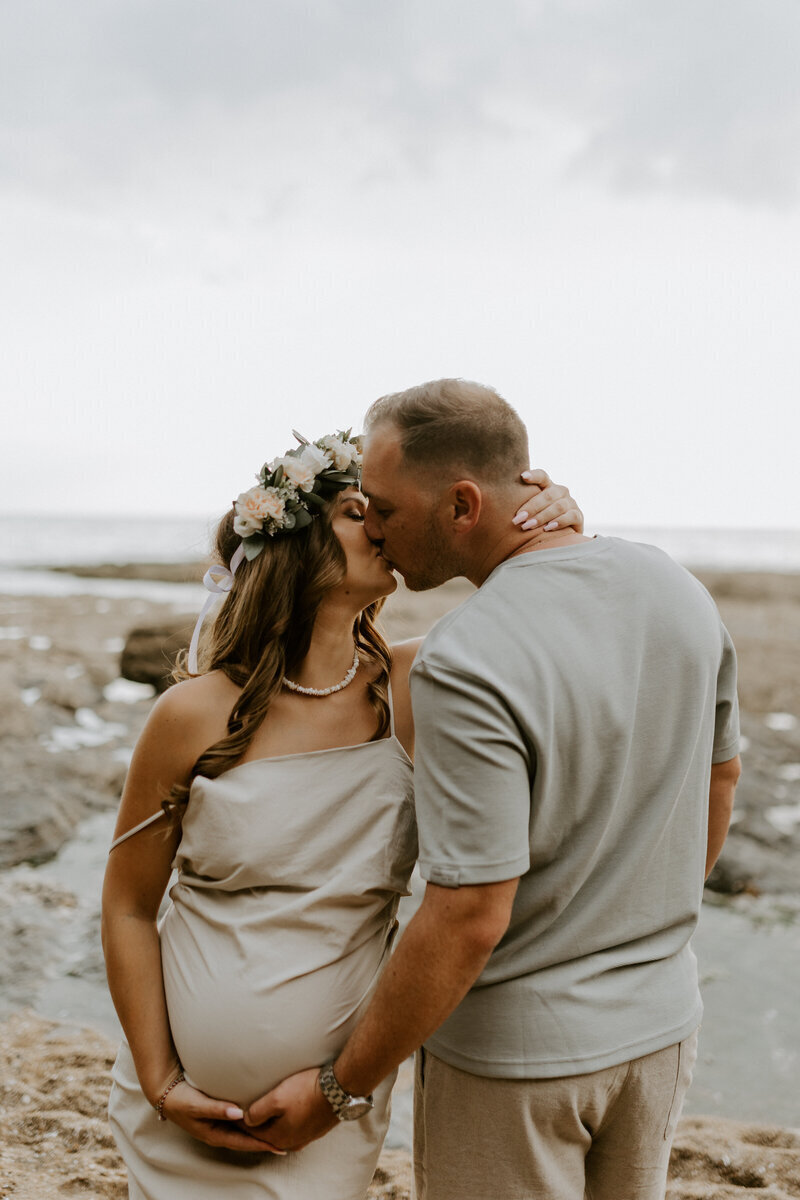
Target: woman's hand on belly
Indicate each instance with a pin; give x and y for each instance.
(215, 1122)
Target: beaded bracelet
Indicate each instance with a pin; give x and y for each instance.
(159, 1104)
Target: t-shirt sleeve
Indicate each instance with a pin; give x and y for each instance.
(472, 776)
(726, 725)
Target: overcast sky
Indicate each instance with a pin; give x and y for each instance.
(220, 221)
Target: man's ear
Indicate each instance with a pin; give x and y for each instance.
(464, 505)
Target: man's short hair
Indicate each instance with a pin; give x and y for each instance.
(453, 422)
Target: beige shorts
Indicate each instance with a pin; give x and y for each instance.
(602, 1136)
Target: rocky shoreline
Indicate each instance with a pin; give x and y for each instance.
(68, 721)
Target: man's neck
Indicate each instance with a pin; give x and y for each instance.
(511, 545)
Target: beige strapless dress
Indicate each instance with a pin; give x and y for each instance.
(290, 873)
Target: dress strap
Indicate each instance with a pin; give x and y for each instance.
(142, 825)
(391, 709)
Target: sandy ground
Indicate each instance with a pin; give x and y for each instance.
(67, 724)
(56, 1141)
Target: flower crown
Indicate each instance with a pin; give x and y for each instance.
(291, 490)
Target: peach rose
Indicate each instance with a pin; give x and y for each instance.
(255, 507)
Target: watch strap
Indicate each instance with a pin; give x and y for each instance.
(335, 1094)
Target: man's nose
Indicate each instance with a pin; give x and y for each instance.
(372, 529)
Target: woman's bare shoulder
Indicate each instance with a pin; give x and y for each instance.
(198, 691)
(195, 695)
(197, 709)
(403, 655)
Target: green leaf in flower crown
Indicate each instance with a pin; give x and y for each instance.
(253, 546)
(289, 519)
(278, 476)
(315, 499)
(302, 518)
(341, 477)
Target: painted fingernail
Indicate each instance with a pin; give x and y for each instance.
(551, 525)
(519, 518)
(233, 1113)
(530, 524)
(526, 474)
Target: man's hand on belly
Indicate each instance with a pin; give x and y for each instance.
(215, 1122)
(293, 1114)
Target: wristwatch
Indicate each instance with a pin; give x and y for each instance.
(346, 1107)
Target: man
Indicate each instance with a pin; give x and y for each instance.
(577, 736)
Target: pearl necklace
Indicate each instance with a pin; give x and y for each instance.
(337, 687)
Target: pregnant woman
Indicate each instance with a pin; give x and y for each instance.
(278, 784)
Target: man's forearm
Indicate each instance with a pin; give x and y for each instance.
(724, 777)
(438, 959)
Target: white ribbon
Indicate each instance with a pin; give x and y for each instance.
(217, 579)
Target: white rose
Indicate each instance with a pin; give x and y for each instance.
(318, 459)
(341, 452)
(298, 470)
(255, 507)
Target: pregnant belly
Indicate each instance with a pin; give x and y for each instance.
(242, 1021)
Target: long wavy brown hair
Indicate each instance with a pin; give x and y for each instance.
(263, 632)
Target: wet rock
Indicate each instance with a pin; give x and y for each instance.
(70, 689)
(35, 829)
(150, 652)
(736, 871)
(762, 612)
(746, 865)
(762, 852)
(16, 718)
(44, 796)
(165, 572)
(29, 908)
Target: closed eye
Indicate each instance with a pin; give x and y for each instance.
(353, 510)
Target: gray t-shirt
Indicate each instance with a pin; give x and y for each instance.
(567, 717)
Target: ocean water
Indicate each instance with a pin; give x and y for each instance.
(59, 541)
(723, 549)
(37, 542)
